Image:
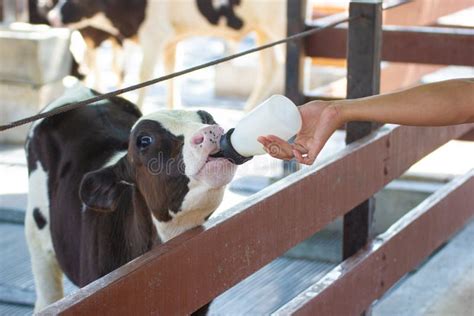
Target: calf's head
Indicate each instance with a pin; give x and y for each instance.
(70, 12)
(167, 169)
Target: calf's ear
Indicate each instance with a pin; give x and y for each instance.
(104, 189)
(206, 118)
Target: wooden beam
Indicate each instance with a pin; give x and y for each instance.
(294, 66)
(429, 45)
(410, 44)
(183, 274)
(394, 76)
(390, 256)
(363, 79)
(363, 60)
(330, 43)
(296, 11)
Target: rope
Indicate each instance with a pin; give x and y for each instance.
(76, 105)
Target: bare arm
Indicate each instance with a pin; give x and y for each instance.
(442, 103)
(436, 104)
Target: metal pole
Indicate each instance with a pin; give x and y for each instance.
(363, 79)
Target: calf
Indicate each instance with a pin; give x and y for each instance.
(92, 38)
(159, 25)
(106, 184)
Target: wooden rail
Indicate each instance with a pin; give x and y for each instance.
(408, 44)
(190, 270)
(390, 256)
(187, 272)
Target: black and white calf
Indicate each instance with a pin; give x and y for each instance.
(106, 184)
(158, 25)
(85, 47)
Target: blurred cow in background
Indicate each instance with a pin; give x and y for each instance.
(85, 58)
(158, 26)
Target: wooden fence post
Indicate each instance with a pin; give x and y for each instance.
(296, 12)
(363, 79)
(294, 66)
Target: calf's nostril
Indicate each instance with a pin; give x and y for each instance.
(197, 139)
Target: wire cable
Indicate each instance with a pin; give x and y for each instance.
(76, 105)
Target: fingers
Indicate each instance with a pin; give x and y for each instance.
(300, 148)
(306, 150)
(276, 147)
(305, 159)
(264, 141)
(276, 139)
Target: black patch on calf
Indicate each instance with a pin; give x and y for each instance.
(39, 218)
(213, 15)
(31, 161)
(65, 169)
(102, 189)
(73, 11)
(37, 13)
(96, 37)
(161, 181)
(87, 137)
(126, 15)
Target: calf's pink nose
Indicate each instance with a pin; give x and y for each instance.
(197, 139)
(208, 137)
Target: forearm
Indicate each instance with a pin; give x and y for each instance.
(442, 103)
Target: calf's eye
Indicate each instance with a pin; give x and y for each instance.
(144, 141)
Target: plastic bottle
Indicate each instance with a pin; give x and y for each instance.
(277, 116)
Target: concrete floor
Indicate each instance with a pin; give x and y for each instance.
(442, 286)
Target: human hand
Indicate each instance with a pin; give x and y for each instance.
(320, 119)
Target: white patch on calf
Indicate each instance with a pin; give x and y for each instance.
(217, 4)
(46, 271)
(54, 16)
(198, 204)
(98, 21)
(115, 158)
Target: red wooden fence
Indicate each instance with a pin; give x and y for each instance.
(185, 273)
